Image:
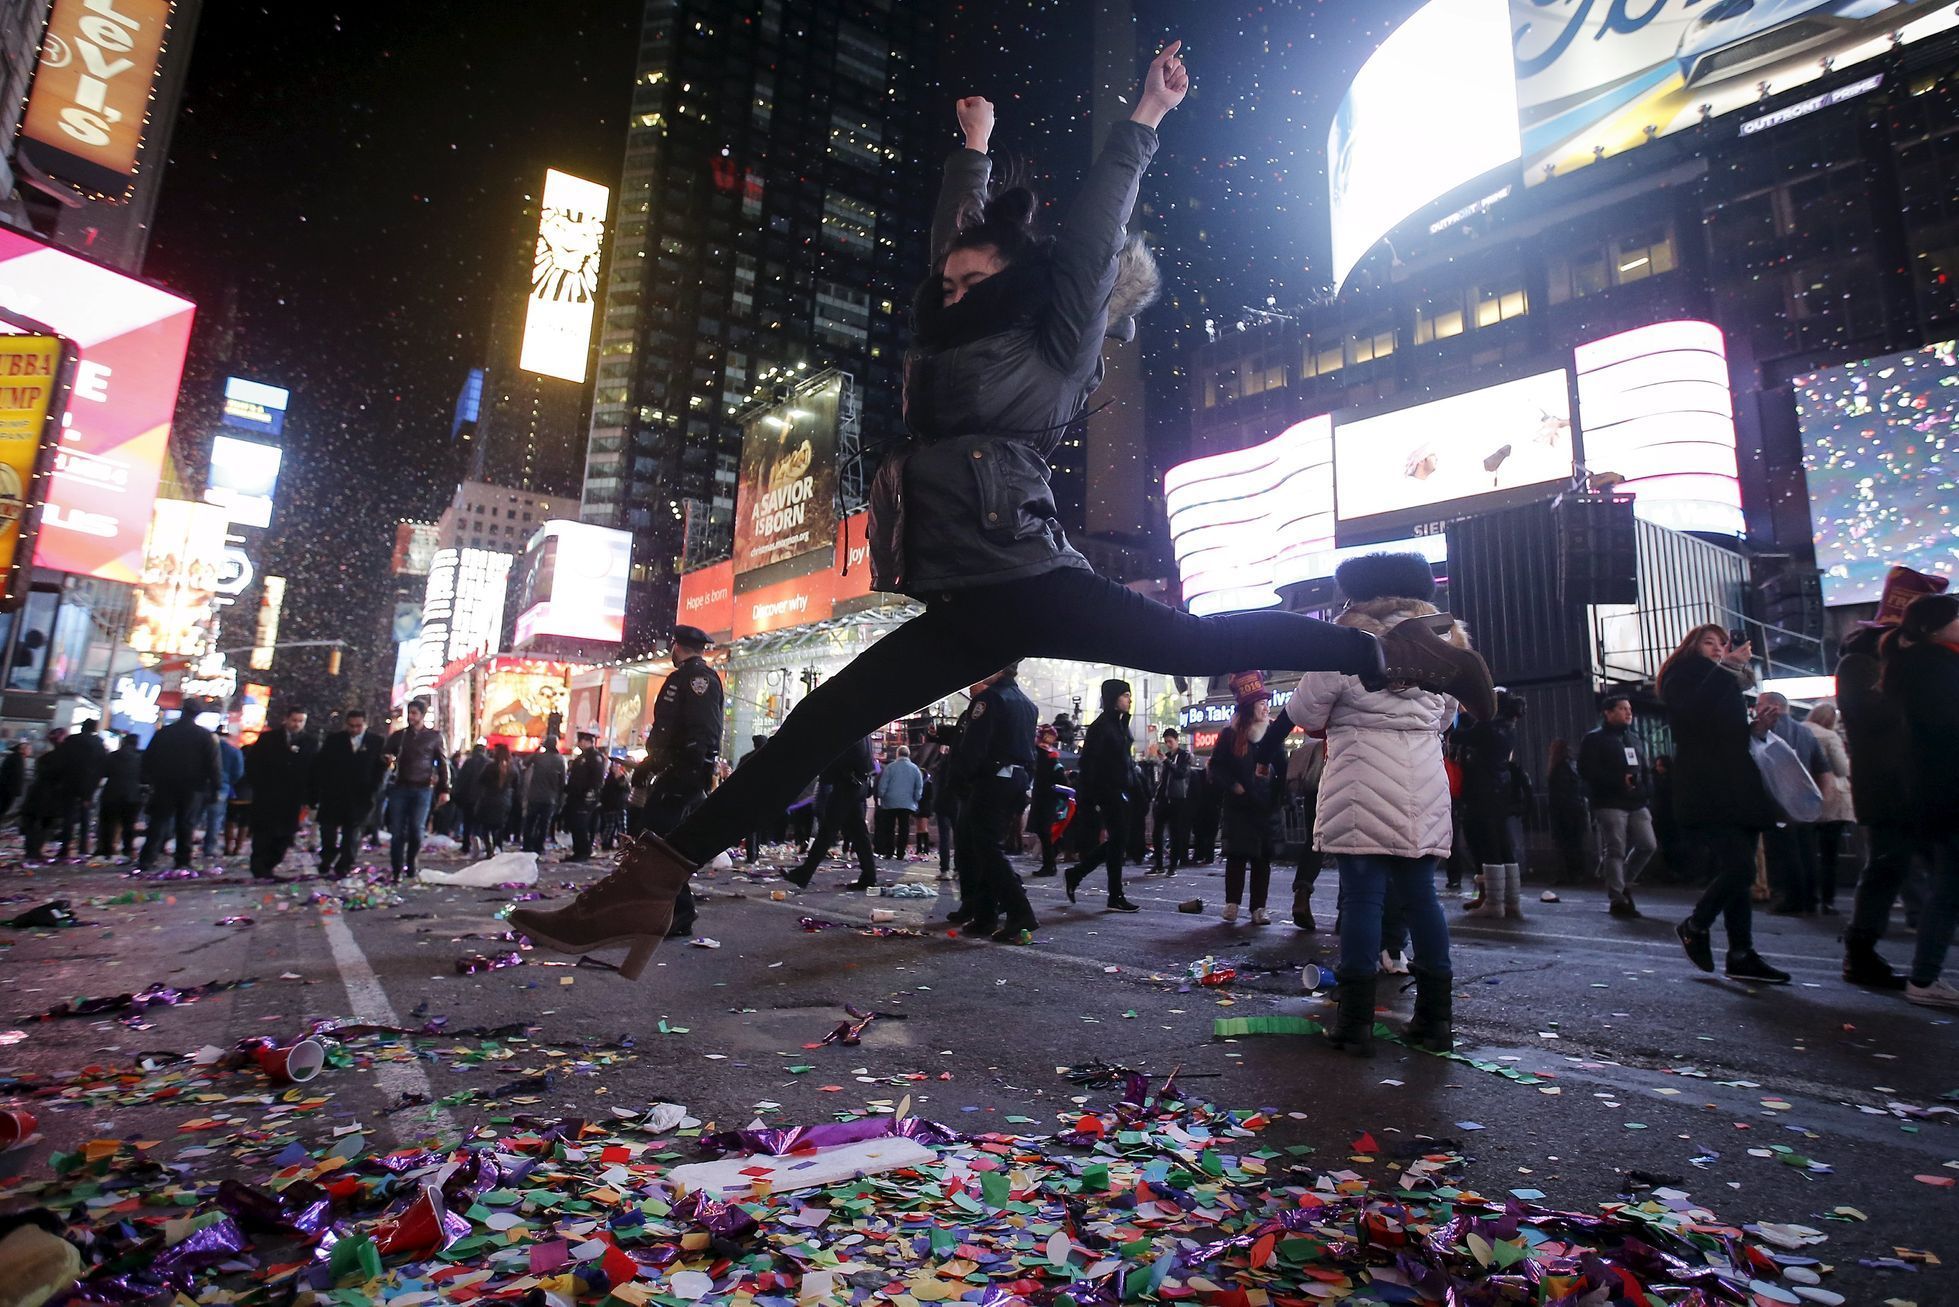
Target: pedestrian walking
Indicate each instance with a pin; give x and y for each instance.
(1921, 672)
(279, 766)
(612, 805)
(420, 771)
(40, 811)
(1719, 799)
(81, 760)
(1247, 765)
(491, 793)
(1384, 810)
(1008, 347)
(545, 775)
(122, 798)
(180, 766)
(992, 769)
(227, 807)
(1304, 771)
(1571, 810)
(842, 816)
(584, 777)
(347, 773)
(900, 789)
(1790, 846)
(1619, 785)
(1172, 806)
(13, 776)
(1881, 778)
(1839, 806)
(1495, 789)
(462, 791)
(1110, 782)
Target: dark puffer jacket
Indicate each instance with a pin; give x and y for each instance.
(1715, 780)
(1878, 737)
(966, 502)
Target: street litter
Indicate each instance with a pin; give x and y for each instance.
(516, 868)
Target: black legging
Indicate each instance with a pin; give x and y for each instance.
(970, 634)
(1729, 855)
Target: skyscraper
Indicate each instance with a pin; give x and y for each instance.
(781, 160)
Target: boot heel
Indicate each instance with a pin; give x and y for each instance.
(638, 956)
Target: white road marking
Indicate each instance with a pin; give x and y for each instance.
(368, 1002)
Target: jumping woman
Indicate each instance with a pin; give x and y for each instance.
(1009, 333)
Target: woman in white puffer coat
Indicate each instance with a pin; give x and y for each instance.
(1384, 804)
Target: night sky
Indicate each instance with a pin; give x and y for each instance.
(343, 187)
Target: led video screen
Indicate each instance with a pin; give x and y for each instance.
(1881, 454)
(1484, 448)
(1392, 149)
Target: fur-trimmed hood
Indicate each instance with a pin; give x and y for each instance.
(1379, 616)
(1138, 283)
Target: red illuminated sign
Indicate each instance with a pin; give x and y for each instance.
(707, 599)
(132, 338)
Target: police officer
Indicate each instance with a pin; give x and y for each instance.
(682, 746)
(992, 768)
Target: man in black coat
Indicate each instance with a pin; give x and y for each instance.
(182, 769)
(583, 779)
(42, 807)
(991, 770)
(279, 766)
(681, 747)
(82, 759)
(122, 798)
(1173, 805)
(1108, 787)
(849, 777)
(347, 776)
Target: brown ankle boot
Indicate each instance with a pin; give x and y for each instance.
(1420, 656)
(633, 907)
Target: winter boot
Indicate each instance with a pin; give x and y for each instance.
(632, 907)
(1495, 890)
(1513, 889)
(1353, 1028)
(1415, 654)
(1433, 1027)
(1864, 965)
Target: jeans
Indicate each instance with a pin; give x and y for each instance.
(1892, 852)
(172, 813)
(1625, 842)
(1069, 614)
(408, 816)
(1940, 913)
(1729, 855)
(214, 827)
(1366, 880)
(538, 816)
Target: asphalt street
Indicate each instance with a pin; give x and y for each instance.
(1599, 1062)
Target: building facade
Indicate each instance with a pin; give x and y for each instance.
(773, 210)
(482, 515)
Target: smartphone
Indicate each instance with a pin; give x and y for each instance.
(1737, 638)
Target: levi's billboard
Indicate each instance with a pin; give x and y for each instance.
(91, 96)
(132, 337)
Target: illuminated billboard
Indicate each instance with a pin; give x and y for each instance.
(786, 492)
(1594, 80)
(575, 582)
(707, 599)
(1483, 449)
(244, 474)
(255, 406)
(1881, 454)
(91, 96)
(438, 610)
(265, 641)
(1244, 523)
(1657, 412)
(482, 579)
(182, 562)
(519, 696)
(1395, 145)
(564, 277)
(415, 546)
(30, 377)
(132, 337)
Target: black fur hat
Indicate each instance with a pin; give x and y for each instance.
(1385, 576)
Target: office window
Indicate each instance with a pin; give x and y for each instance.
(843, 314)
(848, 223)
(1500, 303)
(1643, 255)
(1439, 317)
(1367, 346)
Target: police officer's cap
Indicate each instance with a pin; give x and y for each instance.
(692, 635)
